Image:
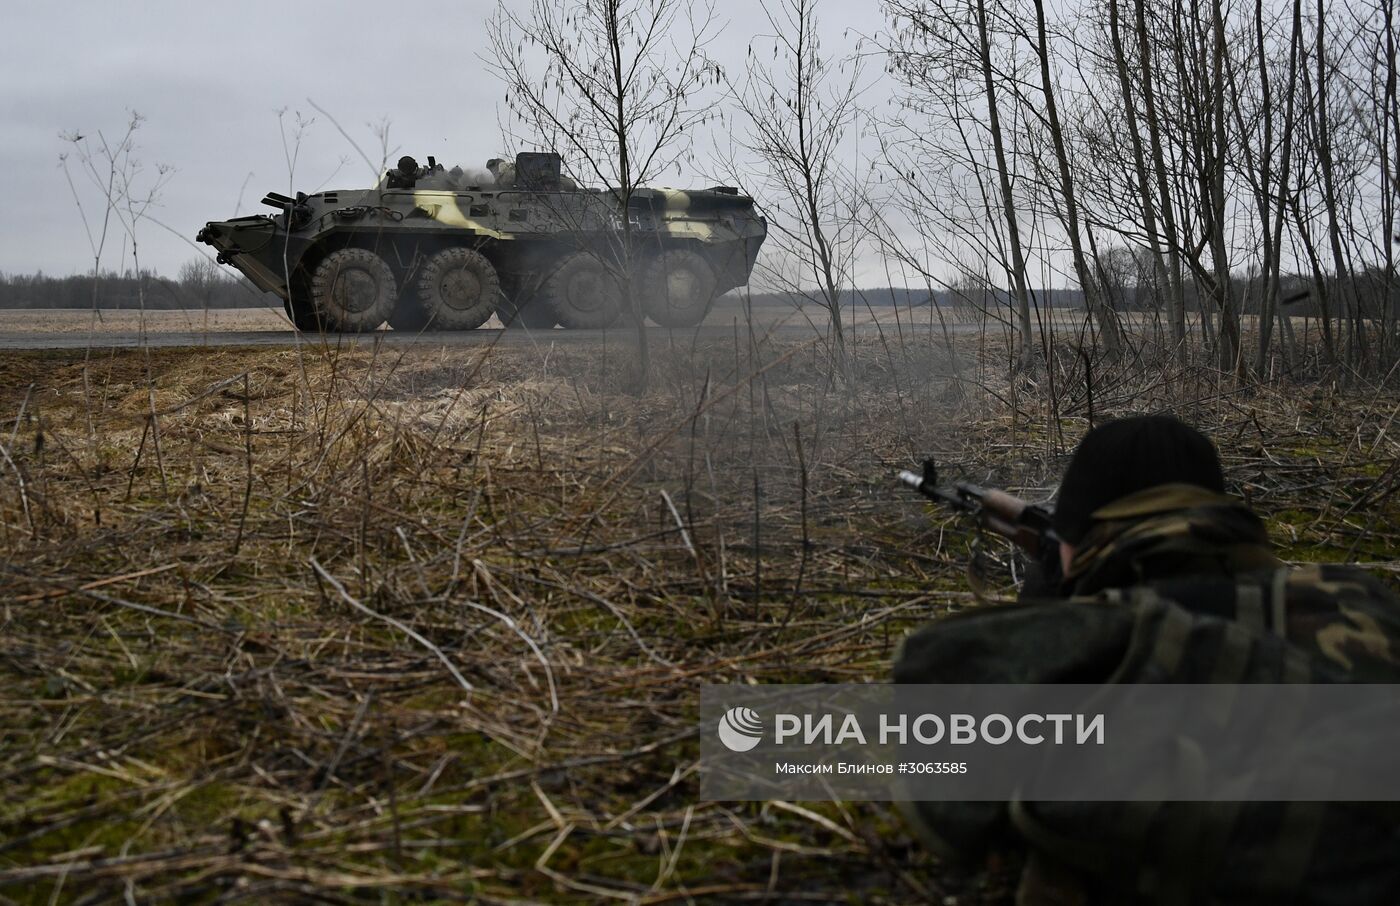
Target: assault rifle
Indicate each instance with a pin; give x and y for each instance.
(1027, 524)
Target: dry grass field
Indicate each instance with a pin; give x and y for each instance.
(400, 625)
(728, 311)
(125, 320)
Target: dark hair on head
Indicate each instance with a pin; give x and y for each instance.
(1122, 457)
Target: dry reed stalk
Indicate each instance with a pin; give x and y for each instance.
(546, 570)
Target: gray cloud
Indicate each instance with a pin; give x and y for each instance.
(210, 79)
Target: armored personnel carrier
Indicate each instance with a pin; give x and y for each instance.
(431, 248)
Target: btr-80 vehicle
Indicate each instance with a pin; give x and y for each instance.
(440, 249)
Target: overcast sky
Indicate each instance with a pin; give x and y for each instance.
(210, 78)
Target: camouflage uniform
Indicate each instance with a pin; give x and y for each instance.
(1177, 584)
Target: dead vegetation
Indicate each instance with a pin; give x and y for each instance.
(388, 624)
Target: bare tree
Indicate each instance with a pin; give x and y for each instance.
(1213, 176)
(112, 176)
(1249, 149)
(1380, 96)
(1324, 141)
(200, 278)
(1254, 105)
(1109, 331)
(943, 54)
(1142, 183)
(799, 117)
(1013, 229)
(614, 86)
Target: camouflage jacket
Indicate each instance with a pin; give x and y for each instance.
(1179, 585)
(1182, 548)
(1169, 531)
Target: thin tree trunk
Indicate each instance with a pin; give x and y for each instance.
(1149, 214)
(1224, 290)
(1275, 240)
(1329, 344)
(1109, 329)
(1154, 133)
(1390, 134)
(1018, 261)
(624, 169)
(1259, 170)
(1356, 346)
(812, 199)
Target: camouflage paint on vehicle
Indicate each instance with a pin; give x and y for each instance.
(526, 224)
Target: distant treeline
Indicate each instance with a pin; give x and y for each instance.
(200, 284)
(904, 297)
(1129, 292)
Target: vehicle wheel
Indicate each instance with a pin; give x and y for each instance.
(582, 293)
(679, 288)
(458, 289)
(354, 290)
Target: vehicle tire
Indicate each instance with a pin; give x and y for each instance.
(678, 288)
(354, 290)
(458, 289)
(582, 294)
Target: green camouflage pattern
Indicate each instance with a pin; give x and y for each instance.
(1169, 530)
(703, 241)
(1176, 586)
